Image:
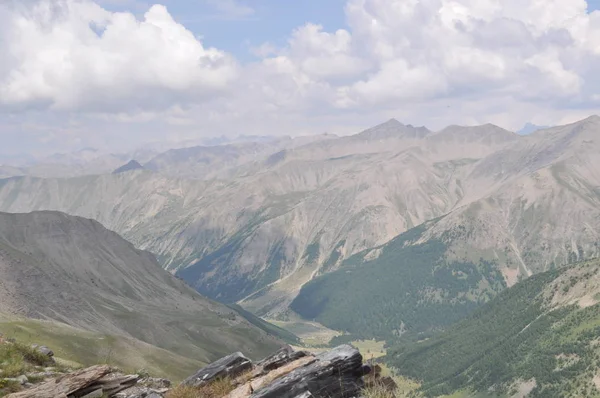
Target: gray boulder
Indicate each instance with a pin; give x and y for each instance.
(230, 366)
(280, 358)
(43, 350)
(335, 374)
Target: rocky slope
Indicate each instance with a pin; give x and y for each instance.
(271, 224)
(538, 209)
(338, 373)
(73, 270)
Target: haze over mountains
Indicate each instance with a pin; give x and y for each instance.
(254, 222)
(187, 159)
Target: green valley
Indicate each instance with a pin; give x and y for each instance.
(408, 287)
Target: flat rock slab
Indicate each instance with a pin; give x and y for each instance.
(66, 385)
(230, 366)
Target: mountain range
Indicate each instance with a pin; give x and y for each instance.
(255, 222)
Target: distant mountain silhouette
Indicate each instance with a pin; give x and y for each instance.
(132, 165)
(530, 128)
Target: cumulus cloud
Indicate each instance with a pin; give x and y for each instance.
(75, 55)
(427, 49)
(433, 62)
(438, 62)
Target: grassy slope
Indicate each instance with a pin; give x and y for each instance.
(526, 333)
(268, 327)
(407, 287)
(78, 347)
(74, 271)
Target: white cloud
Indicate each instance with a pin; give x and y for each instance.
(402, 53)
(75, 55)
(433, 62)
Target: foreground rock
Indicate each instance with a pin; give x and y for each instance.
(43, 350)
(228, 367)
(339, 373)
(92, 382)
(289, 374)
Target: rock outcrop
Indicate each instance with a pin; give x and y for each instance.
(336, 373)
(290, 374)
(339, 373)
(95, 382)
(228, 367)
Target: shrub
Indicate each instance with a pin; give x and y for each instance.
(17, 359)
(8, 387)
(216, 389)
(33, 356)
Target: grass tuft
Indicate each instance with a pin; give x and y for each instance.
(8, 387)
(216, 389)
(378, 392)
(33, 356)
(18, 359)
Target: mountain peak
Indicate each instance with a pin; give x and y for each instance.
(393, 129)
(530, 128)
(131, 165)
(478, 131)
(593, 118)
(392, 122)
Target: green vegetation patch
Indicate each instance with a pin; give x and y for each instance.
(514, 338)
(407, 288)
(82, 348)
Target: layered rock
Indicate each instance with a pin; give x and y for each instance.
(339, 373)
(96, 382)
(291, 374)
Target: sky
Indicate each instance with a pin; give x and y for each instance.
(120, 74)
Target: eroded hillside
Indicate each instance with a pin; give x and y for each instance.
(256, 236)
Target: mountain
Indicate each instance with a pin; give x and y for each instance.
(74, 271)
(86, 161)
(224, 161)
(529, 128)
(494, 206)
(9, 171)
(131, 165)
(538, 338)
(538, 209)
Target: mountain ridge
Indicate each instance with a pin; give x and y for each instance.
(129, 166)
(267, 227)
